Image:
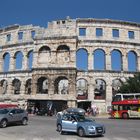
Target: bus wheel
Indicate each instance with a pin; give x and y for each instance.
(125, 116)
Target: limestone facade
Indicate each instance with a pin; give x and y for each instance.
(52, 72)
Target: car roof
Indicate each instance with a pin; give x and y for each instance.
(74, 110)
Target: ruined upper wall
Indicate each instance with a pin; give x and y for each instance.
(69, 28)
(10, 35)
(107, 27)
(59, 28)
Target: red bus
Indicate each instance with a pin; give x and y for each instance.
(126, 96)
(8, 106)
(125, 109)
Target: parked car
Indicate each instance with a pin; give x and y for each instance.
(13, 115)
(74, 122)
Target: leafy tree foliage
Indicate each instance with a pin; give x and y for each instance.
(132, 85)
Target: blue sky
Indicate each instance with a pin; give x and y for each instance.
(40, 12)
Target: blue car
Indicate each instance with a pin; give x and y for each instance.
(75, 122)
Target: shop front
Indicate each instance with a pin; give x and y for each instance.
(45, 107)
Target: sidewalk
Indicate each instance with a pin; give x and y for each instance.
(101, 116)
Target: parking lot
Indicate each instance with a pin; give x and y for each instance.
(44, 128)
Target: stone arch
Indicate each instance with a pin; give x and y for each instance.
(6, 61)
(99, 59)
(63, 48)
(82, 59)
(100, 89)
(3, 86)
(82, 88)
(63, 54)
(18, 60)
(16, 83)
(44, 54)
(44, 49)
(42, 85)
(61, 85)
(28, 85)
(30, 59)
(116, 60)
(116, 84)
(132, 60)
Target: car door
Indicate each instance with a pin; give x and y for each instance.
(12, 116)
(68, 124)
(19, 114)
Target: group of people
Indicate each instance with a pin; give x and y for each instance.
(93, 110)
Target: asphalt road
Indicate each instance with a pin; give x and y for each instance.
(44, 128)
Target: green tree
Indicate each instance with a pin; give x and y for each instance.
(132, 85)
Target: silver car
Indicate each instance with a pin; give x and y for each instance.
(71, 122)
(9, 115)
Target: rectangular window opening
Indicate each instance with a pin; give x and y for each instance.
(8, 37)
(20, 35)
(63, 21)
(99, 32)
(131, 34)
(33, 34)
(115, 33)
(82, 31)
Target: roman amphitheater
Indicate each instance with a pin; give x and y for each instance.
(74, 62)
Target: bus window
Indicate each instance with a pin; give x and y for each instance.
(128, 97)
(137, 96)
(125, 107)
(134, 108)
(120, 107)
(115, 108)
(117, 98)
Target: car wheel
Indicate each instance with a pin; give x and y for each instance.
(59, 129)
(81, 132)
(24, 121)
(125, 116)
(3, 123)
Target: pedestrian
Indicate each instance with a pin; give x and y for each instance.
(88, 111)
(94, 110)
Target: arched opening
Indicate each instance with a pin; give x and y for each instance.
(99, 59)
(42, 85)
(61, 85)
(30, 59)
(82, 59)
(44, 49)
(116, 84)
(100, 89)
(28, 87)
(44, 55)
(132, 61)
(63, 54)
(19, 60)
(82, 89)
(3, 86)
(63, 48)
(116, 60)
(6, 62)
(16, 86)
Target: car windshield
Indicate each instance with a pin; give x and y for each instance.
(81, 118)
(3, 111)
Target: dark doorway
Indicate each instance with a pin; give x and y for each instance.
(45, 107)
(84, 105)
